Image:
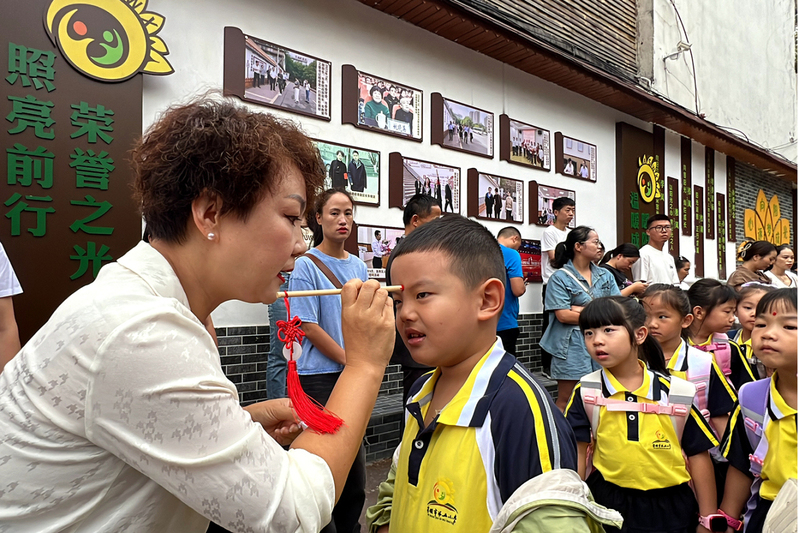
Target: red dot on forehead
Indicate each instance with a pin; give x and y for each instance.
(774, 313)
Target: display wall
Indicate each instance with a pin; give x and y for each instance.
(350, 33)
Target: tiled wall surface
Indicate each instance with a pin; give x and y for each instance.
(243, 353)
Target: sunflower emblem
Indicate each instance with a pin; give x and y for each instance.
(765, 222)
(108, 40)
(648, 179)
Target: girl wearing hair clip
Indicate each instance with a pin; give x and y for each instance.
(757, 256)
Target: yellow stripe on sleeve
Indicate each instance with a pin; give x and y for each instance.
(702, 423)
(733, 420)
(538, 418)
(723, 379)
(575, 392)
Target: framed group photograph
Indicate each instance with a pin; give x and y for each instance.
(541, 198)
(575, 158)
(269, 74)
(407, 176)
(353, 168)
(494, 197)
(461, 127)
(373, 245)
(530, 252)
(380, 105)
(523, 144)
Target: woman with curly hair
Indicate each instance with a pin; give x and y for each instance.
(117, 416)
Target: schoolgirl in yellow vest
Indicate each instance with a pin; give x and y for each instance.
(760, 442)
(668, 314)
(640, 421)
(748, 297)
(713, 306)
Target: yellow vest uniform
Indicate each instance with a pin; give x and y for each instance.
(498, 431)
(780, 431)
(637, 450)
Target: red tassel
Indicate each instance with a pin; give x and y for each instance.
(315, 416)
(309, 411)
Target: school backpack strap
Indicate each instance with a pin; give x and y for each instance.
(720, 346)
(678, 407)
(591, 394)
(681, 397)
(753, 399)
(326, 271)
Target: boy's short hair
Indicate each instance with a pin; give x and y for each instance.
(508, 232)
(560, 203)
(475, 254)
(420, 205)
(660, 217)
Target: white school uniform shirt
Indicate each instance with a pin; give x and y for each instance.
(116, 416)
(655, 266)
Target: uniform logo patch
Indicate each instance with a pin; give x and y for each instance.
(661, 442)
(442, 506)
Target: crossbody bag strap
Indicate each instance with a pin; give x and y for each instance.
(580, 283)
(326, 271)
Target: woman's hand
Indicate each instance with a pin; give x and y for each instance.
(277, 417)
(638, 287)
(367, 323)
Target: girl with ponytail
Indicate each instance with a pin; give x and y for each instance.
(641, 421)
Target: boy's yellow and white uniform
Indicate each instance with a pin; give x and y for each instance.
(500, 430)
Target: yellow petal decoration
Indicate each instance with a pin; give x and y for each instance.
(157, 65)
(765, 223)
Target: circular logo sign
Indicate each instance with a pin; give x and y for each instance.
(108, 40)
(648, 179)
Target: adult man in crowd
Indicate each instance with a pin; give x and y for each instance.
(510, 240)
(489, 203)
(655, 264)
(9, 334)
(563, 211)
(419, 210)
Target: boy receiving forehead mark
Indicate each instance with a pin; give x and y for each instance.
(479, 426)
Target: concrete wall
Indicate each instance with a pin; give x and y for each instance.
(744, 54)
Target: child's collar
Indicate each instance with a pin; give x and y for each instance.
(646, 390)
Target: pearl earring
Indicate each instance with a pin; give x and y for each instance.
(211, 236)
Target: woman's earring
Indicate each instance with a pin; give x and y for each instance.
(211, 236)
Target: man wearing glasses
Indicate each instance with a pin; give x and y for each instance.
(655, 264)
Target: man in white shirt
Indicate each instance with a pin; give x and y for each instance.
(9, 286)
(379, 250)
(655, 264)
(563, 210)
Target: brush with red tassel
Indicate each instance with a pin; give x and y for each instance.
(311, 414)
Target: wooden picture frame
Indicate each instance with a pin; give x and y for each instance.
(366, 193)
(249, 62)
(360, 243)
(452, 127)
(540, 201)
(404, 120)
(407, 175)
(567, 158)
(524, 144)
(506, 188)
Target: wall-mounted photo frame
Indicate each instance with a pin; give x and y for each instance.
(530, 252)
(524, 144)
(461, 127)
(272, 75)
(362, 242)
(380, 105)
(575, 158)
(541, 198)
(354, 168)
(408, 176)
(493, 197)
